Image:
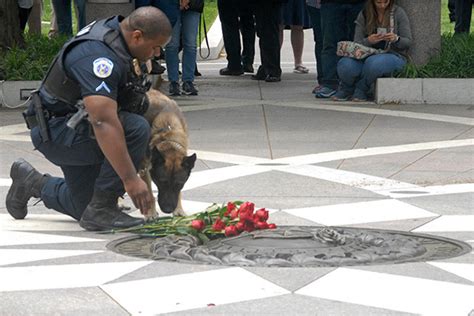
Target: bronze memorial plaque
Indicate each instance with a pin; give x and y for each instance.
(297, 246)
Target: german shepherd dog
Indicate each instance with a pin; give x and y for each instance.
(166, 163)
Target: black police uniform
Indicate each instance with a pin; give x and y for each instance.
(95, 62)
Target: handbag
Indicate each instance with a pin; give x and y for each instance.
(355, 50)
(196, 5)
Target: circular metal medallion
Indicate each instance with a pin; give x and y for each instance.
(291, 246)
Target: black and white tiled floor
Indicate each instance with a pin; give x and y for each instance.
(48, 265)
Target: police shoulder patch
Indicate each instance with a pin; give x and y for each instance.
(103, 67)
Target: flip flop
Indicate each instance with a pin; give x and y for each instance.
(300, 69)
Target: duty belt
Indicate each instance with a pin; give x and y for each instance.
(40, 117)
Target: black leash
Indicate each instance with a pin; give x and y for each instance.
(201, 18)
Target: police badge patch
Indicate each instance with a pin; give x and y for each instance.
(103, 67)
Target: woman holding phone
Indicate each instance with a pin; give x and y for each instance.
(382, 25)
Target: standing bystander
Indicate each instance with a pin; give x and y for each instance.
(337, 24)
(237, 15)
(294, 16)
(463, 14)
(314, 12)
(267, 20)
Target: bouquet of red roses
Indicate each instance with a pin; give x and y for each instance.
(216, 221)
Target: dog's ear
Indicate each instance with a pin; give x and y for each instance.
(156, 157)
(188, 162)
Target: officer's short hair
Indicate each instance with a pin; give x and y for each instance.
(151, 21)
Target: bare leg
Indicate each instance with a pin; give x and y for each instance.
(297, 43)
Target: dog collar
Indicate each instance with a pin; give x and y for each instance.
(164, 129)
(174, 144)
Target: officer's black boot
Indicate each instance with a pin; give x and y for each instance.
(103, 213)
(27, 183)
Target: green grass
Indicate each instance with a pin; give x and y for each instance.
(456, 60)
(32, 62)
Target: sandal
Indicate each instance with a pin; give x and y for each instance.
(300, 69)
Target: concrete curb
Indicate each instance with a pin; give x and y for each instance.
(15, 93)
(451, 91)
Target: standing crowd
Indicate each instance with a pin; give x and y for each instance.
(379, 24)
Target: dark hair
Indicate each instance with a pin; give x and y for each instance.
(370, 14)
(150, 20)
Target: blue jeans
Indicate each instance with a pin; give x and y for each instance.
(186, 29)
(169, 7)
(62, 10)
(83, 164)
(315, 18)
(357, 76)
(337, 24)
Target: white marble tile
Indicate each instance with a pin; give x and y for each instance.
(188, 291)
(395, 113)
(230, 158)
(361, 212)
(64, 276)
(464, 270)
(372, 151)
(374, 184)
(40, 222)
(205, 177)
(193, 207)
(439, 190)
(449, 223)
(12, 238)
(5, 182)
(10, 256)
(393, 292)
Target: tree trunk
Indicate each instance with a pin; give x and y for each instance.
(10, 34)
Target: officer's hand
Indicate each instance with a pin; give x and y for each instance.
(138, 191)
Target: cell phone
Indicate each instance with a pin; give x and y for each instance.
(381, 30)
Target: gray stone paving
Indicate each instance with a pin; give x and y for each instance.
(345, 165)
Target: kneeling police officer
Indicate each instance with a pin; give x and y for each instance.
(97, 75)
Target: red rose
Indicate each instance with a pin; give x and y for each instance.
(230, 207)
(249, 226)
(231, 231)
(262, 214)
(198, 224)
(245, 216)
(234, 213)
(247, 207)
(240, 227)
(272, 226)
(218, 224)
(261, 225)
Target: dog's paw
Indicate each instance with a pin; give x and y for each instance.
(152, 216)
(178, 212)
